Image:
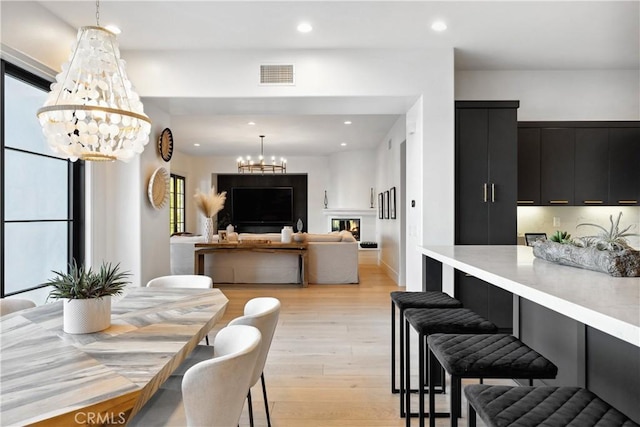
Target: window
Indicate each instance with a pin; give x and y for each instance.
(41, 200)
(176, 204)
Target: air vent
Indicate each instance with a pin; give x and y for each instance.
(277, 74)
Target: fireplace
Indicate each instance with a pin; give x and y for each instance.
(349, 224)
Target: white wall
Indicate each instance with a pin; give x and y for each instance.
(154, 223)
(388, 175)
(558, 95)
(352, 175)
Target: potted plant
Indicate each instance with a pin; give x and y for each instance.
(87, 296)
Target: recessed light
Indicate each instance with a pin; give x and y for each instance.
(438, 26)
(344, 144)
(305, 27)
(348, 122)
(196, 145)
(114, 29)
(251, 123)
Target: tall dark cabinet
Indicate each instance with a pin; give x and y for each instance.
(486, 196)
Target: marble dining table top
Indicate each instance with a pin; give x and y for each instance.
(53, 378)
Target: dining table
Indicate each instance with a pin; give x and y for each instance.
(49, 377)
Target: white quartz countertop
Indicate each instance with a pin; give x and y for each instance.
(610, 304)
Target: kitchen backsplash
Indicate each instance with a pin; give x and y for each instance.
(548, 219)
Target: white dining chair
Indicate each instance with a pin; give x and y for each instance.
(182, 281)
(11, 305)
(262, 313)
(213, 391)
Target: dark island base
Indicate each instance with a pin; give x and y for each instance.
(585, 356)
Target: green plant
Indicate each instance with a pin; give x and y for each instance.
(613, 239)
(561, 237)
(79, 283)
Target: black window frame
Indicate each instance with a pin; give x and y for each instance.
(76, 182)
(173, 204)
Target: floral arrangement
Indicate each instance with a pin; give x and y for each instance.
(210, 203)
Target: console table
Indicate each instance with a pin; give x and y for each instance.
(53, 378)
(201, 249)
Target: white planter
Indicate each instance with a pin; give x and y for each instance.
(85, 316)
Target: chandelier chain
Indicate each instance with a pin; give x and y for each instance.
(98, 13)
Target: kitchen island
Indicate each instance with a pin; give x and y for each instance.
(586, 322)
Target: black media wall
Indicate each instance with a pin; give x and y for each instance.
(296, 181)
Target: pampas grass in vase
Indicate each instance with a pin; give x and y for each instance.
(209, 204)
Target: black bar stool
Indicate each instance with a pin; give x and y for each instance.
(483, 356)
(534, 406)
(404, 300)
(426, 322)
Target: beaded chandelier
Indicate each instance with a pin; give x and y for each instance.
(92, 111)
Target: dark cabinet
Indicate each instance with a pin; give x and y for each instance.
(557, 153)
(486, 175)
(624, 166)
(486, 195)
(528, 166)
(591, 166)
(579, 163)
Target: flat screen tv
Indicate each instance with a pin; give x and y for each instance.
(264, 205)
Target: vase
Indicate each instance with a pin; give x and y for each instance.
(86, 316)
(209, 230)
(285, 234)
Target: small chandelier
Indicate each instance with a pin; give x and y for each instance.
(92, 111)
(248, 165)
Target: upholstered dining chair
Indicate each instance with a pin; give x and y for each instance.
(213, 391)
(262, 313)
(182, 281)
(11, 305)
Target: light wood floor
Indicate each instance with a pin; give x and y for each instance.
(329, 363)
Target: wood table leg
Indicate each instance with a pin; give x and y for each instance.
(198, 267)
(305, 269)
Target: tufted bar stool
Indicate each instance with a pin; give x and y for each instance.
(427, 322)
(541, 406)
(404, 300)
(483, 356)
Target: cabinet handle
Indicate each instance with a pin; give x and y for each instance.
(525, 202)
(484, 192)
(627, 202)
(559, 202)
(593, 202)
(493, 193)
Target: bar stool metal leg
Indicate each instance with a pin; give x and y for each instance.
(405, 392)
(471, 415)
(394, 389)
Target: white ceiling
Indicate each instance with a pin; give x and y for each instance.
(506, 35)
